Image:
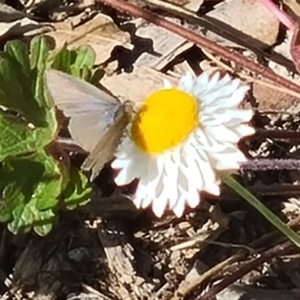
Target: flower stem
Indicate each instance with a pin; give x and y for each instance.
(272, 218)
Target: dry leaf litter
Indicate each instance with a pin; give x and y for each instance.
(108, 250)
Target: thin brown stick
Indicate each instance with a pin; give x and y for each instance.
(226, 265)
(246, 268)
(239, 59)
(277, 134)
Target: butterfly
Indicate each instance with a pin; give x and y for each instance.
(97, 120)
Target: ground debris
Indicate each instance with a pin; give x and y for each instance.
(109, 250)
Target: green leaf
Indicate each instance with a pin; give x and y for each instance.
(18, 138)
(44, 225)
(78, 190)
(77, 62)
(22, 219)
(83, 64)
(22, 90)
(35, 184)
(86, 57)
(39, 53)
(27, 216)
(63, 60)
(96, 76)
(18, 51)
(16, 89)
(22, 83)
(31, 180)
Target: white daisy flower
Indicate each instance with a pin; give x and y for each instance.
(180, 138)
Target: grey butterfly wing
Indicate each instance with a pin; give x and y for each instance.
(105, 148)
(91, 111)
(87, 129)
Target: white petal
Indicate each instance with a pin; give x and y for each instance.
(243, 130)
(124, 177)
(230, 160)
(171, 175)
(200, 86)
(232, 116)
(120, 163)
(212, 188)
(208, 176)
(186, 83)
(239, 115)
(201, 83)
(210, 96)
(179, 207)
(147, 200)
(159, 188)
(207, 143)
(228, 165)
(167, 84)
(193, 199)
(163, 199)
(139, 196)
(132, 167)
(159, 207)
(238, 96)
(192, 170)
(222, 134)
(213, 81)
(223, 81)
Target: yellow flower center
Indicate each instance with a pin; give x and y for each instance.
(165, 120)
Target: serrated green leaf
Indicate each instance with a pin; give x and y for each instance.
(22, 219)
(17, 90)
(22, 86)
(96, 75)
(18, 50)
(78, 190)
(17, 138)
(78, 62)
(50, 184)
(26, 216)
(35, 184)
(31, 180)
(45, 223)
(39, 53)
(23, 91)
(86, 57)
(62, 60)
(82, 66)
